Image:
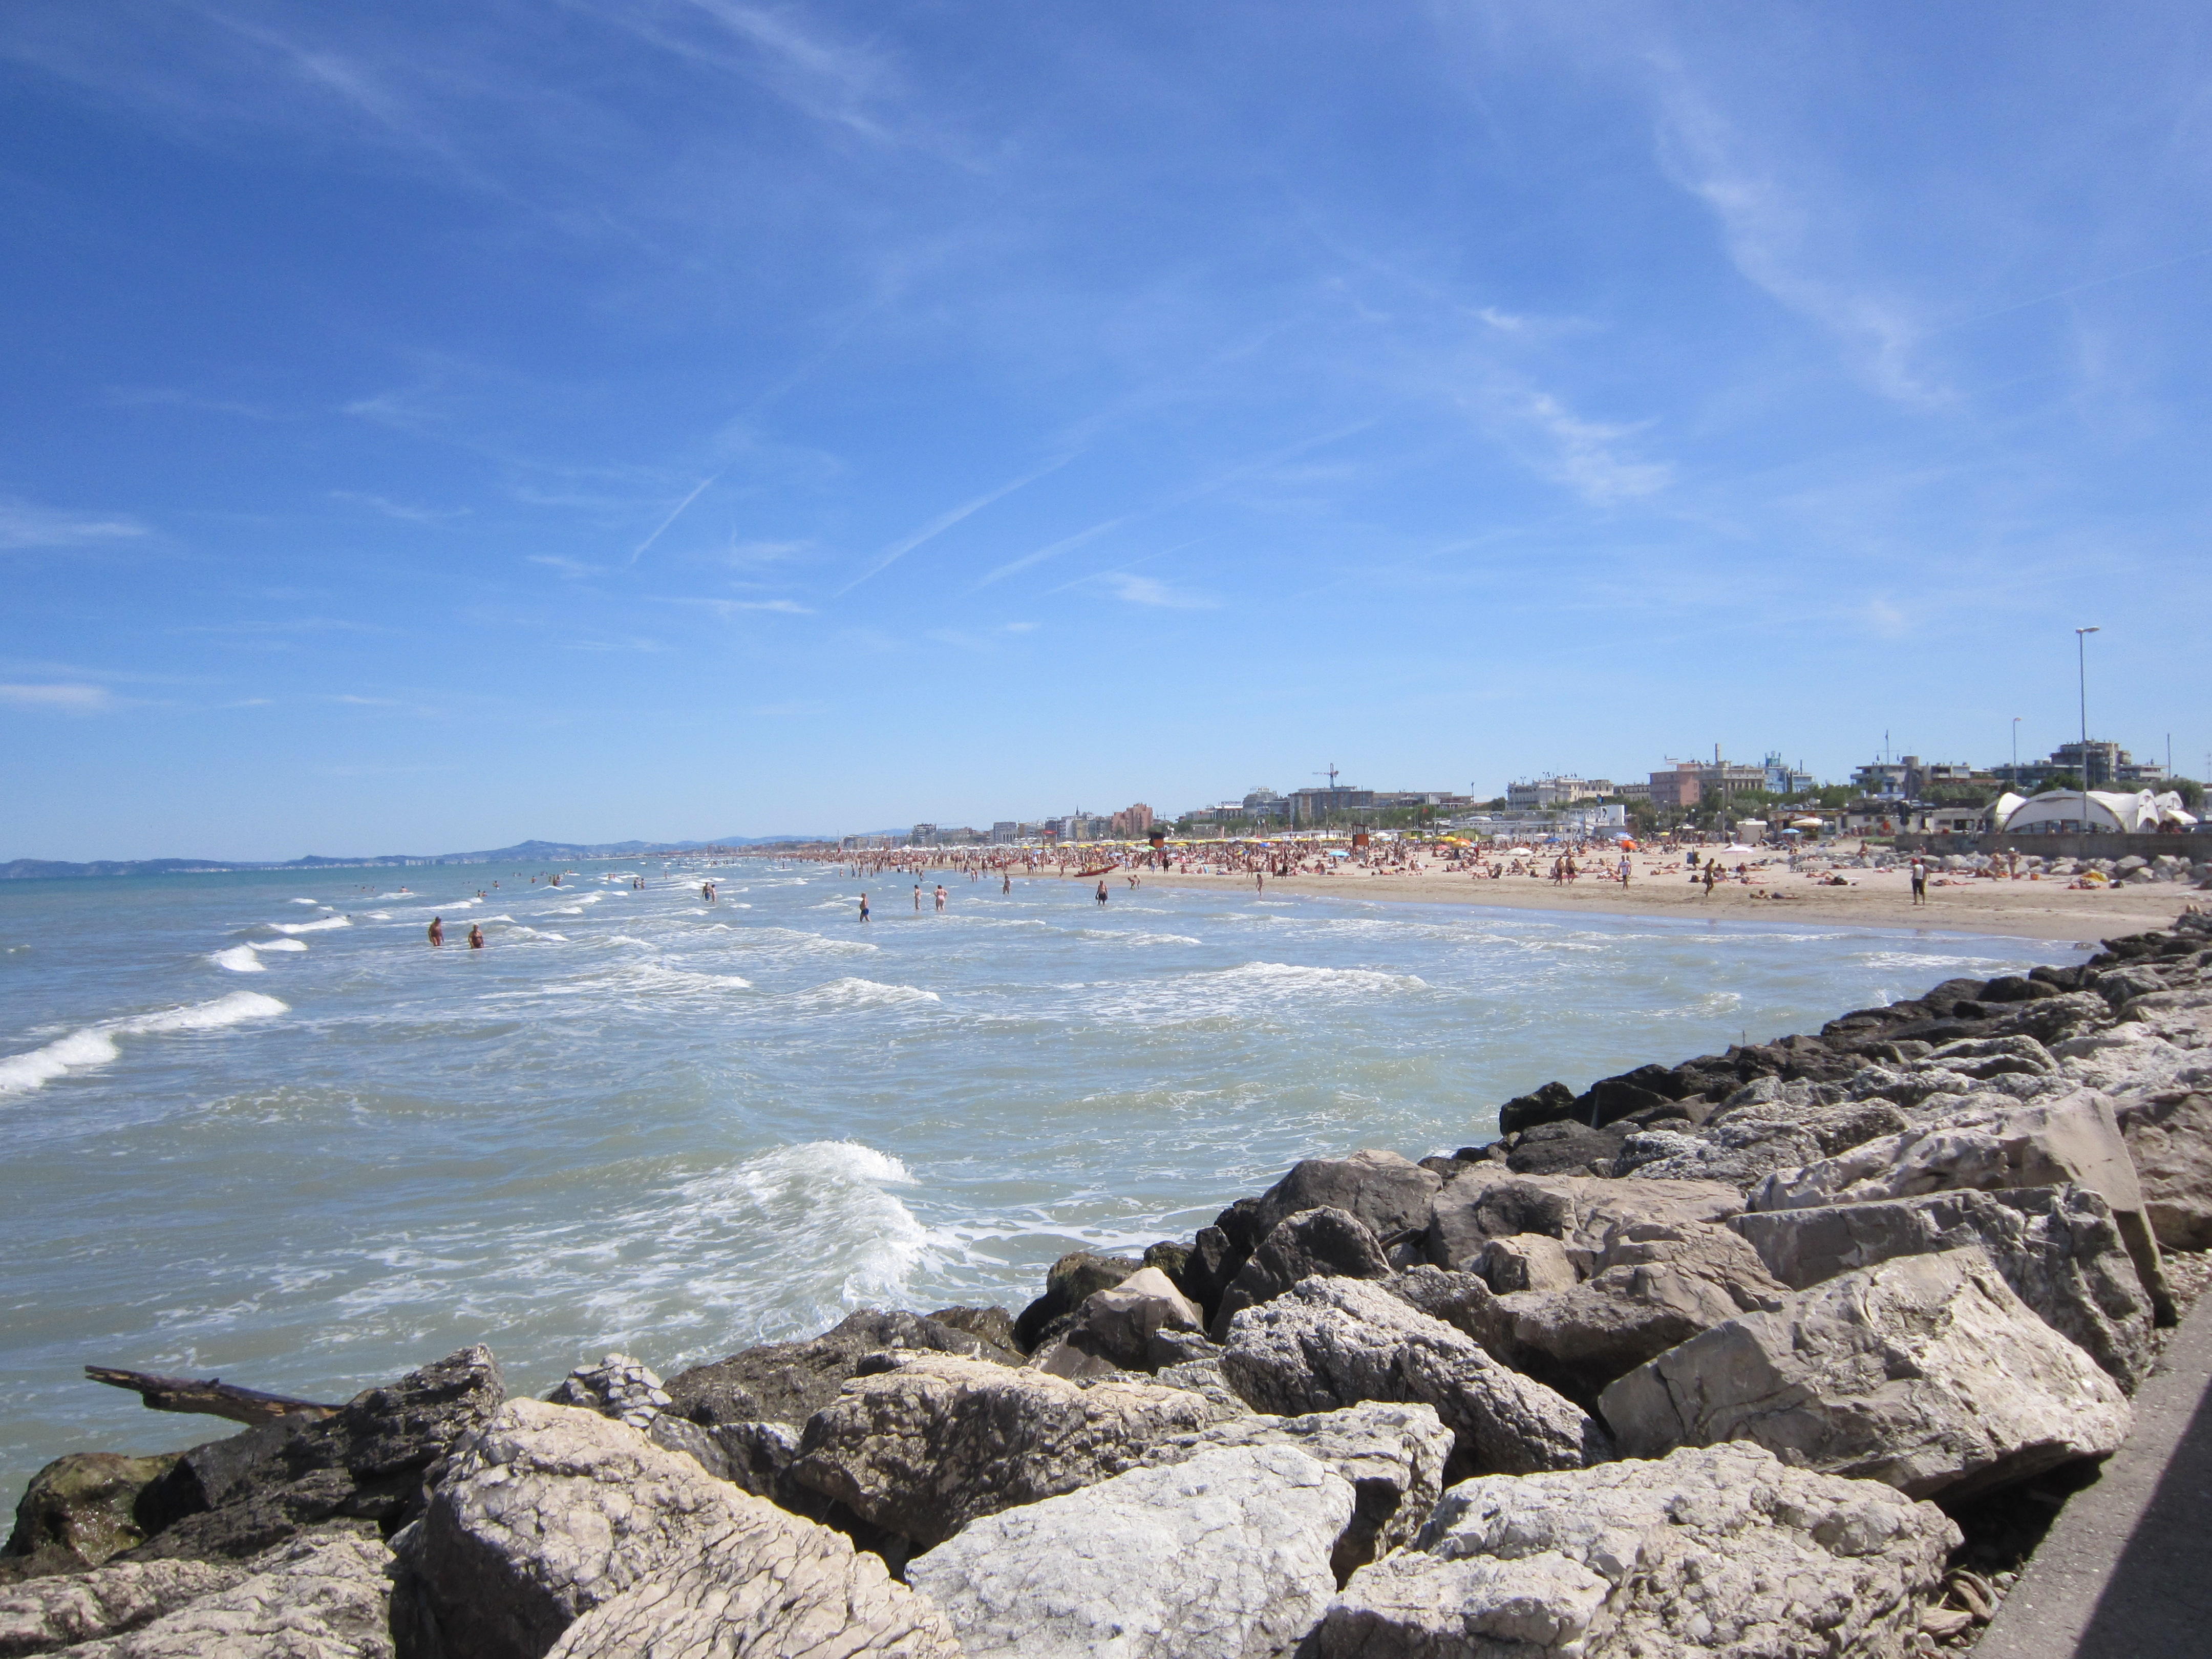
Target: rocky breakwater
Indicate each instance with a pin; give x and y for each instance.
(1708, 1359)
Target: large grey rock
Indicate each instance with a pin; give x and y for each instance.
(1393, 1455)
(1068, 1283)
(63, 1608)
(1333, 1342)
(789, 1382)
(2058, 1248)
(1390, 1194)
(1576, 1210)
(308, 1598)
(2170, 1136)
(2073, 1138)
(1716, 1552)
(85, 1507)
(1226, 1553)
(1326, 1242)
(934, 1443)
(1925, 1372)
(368, 1463)
(548, 1513)
(1655, 1283)
(1116, 1328)
(1525, 1261)
(1743, 1147)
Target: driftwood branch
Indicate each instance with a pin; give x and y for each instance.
(212, 1396)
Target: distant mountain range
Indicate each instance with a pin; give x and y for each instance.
(520, 852)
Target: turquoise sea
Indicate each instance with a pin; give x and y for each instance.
(255, 1126)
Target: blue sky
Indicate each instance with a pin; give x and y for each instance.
(429, 425)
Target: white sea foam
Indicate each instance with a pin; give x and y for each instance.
(379, 915)
(315, 902)
(277, 945)
(841, 994)
(570, 910)
(95, 1044)
(1298, 978)
(239, 959)
(317, 927)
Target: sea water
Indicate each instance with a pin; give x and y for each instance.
(257, 1128)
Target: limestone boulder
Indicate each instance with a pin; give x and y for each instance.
(2058, 1248)
(935, 1442)
(549, 1514)
(1720, 1550)
(1325, 1242)
(307, 1598)
(1394, 1457)
(1334, 1342)
(1743, 1147)
(1925, 1372)
(1655, 1283)
(64, 1608)
(1525, 1261)
(1576, 1210)
(789, 1382)
(83, 1508)
(1226, 1552)
(369, 1465)
(619, 1386)
(2073, 1138)
(1068, 1283)
(2170, 1137)
(1118, 1328)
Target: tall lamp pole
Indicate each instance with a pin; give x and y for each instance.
(2081, 653)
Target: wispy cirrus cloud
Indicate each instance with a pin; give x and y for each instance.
(1150, 591)
(945, 521)
(401, 510)
(1590, 457)
(25, 525)
(1771, 229)
(726, 608)
(61, 699)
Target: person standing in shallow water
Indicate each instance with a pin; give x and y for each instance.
(476, 936)
(864, 907)
(437, 930)
(1102, 891)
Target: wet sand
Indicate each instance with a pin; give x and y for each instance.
(1875, 898)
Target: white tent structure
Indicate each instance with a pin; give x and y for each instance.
(2142, 813)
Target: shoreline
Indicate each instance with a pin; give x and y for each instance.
(1879, 899)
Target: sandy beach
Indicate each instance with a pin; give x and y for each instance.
(1875, 898)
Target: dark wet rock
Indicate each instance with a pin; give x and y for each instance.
(1068, 1282)
(366, 1468)
(1327, 1241)
(993, 1324)
(789, 1382)
(1388, 1194)
(1549, 1104)
(1120, 1328)
(81, 1508)
(1567, 1149)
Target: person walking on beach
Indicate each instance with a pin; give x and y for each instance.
(475, 937)
(1919, 882)
(437, 930)
(1623, 872)
(1712, 875)
(864, 907)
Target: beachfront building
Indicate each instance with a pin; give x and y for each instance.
(1131, 822)
(1541, 794)
(1910, 777)
(1333, 804)
(1787, 779)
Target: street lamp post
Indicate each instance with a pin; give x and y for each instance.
(2082, 653)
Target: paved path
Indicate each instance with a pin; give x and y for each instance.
(2126, 1571)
